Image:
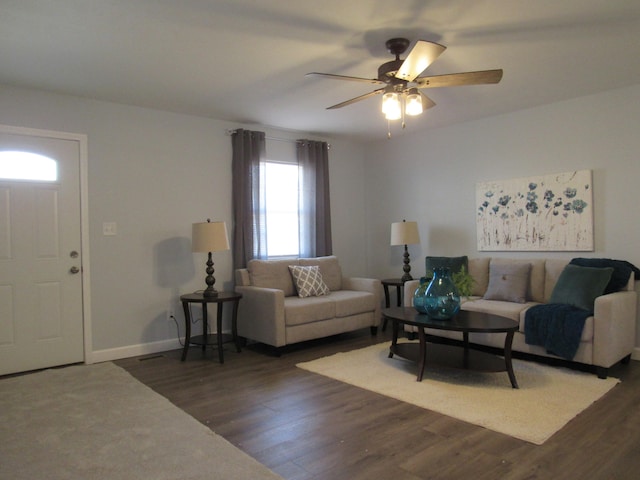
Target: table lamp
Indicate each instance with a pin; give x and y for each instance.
(209, 237)
(405, 233)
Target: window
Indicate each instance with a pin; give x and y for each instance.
(281, 209)
(16, 165)
(280, 201)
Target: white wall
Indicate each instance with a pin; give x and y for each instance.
(430, 177)
(154, 173)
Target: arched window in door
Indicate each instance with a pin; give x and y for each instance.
(16, 165)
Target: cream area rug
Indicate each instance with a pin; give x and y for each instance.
(98, 422)
(547, 399)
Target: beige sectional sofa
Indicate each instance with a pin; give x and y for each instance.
(607, 338)
(272, 312)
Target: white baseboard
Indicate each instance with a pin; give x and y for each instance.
(110, 354)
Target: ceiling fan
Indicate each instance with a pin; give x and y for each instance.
(402, 83)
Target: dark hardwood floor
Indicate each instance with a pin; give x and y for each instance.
(305, 426)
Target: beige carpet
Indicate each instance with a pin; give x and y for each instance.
(548, 397)
(98, 422)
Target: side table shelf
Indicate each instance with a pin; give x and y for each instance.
(205, 339)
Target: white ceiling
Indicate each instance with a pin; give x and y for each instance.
(245, 60)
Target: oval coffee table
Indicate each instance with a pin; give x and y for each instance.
(452, 356)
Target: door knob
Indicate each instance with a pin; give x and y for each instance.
(74, 270)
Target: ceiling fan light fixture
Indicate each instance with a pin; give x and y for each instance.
(414, 103)
(390, 102)
(394, 113)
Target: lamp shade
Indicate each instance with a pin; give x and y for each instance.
(209, 237)
(404, 233)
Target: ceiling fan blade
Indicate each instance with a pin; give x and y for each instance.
(356, 99)
(458, 79)
(427, 102)
(343, 77)
(420, 57)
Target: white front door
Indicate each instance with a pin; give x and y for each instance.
(41, 313)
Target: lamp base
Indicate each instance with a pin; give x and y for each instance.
(406, 268)
(210, 292)
(210, 280)
(406, 277)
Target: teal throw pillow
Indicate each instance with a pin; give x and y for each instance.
(580, 286)
(454, 264)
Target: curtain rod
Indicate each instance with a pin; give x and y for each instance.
(275, 139)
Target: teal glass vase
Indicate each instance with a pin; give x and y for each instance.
(418, 296)
(441, 297)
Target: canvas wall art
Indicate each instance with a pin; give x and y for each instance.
(544, 213)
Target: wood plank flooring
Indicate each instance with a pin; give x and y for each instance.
(304, 426)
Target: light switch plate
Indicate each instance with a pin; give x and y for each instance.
(109, 228)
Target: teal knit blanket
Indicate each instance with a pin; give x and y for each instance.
(556, 327)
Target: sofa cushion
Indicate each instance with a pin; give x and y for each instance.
(329, 268)
(580, 286)
(479, 270)
(536, 280)
(351, 302)
(508, 282)
(308, 281)
(496, 307)
(272, 274)
(298, 311)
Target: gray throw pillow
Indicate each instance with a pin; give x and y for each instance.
(508, 282)
(580, 286)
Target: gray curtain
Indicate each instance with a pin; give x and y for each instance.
(314, 205)
(249, 226)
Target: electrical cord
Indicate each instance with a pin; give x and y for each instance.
(177, 328)
(194, 321)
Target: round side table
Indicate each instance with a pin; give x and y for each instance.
(218, 338)
(391, 282)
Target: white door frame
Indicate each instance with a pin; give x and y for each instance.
(84, 221)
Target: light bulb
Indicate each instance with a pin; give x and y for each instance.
(394, 112)
(390, 102)
(414, 103)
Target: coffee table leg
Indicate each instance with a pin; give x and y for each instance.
(507, 359)
(465, 358)
(423, 353)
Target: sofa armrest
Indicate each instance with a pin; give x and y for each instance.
(410, 288)
(372, 285)
(261, 315)
(614, 327)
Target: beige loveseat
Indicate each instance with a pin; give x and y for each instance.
(271, 311)
(607, 338)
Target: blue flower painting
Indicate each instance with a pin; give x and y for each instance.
(547, 213)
